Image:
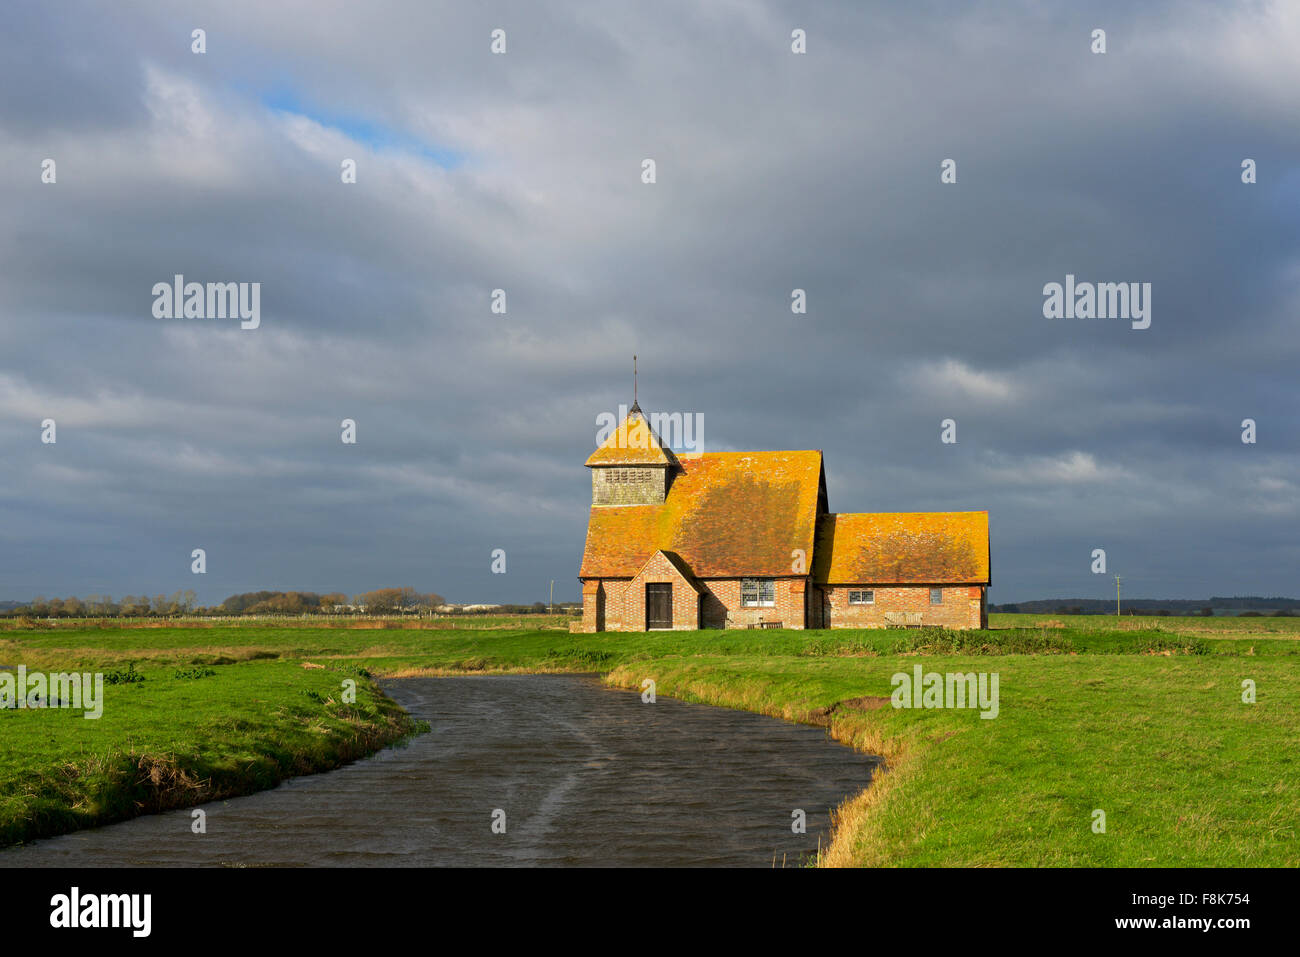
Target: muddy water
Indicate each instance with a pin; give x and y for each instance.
(585, 775)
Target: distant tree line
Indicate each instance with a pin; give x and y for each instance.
(380, 601)
(1243, 607)
(104, 606)
(280, 603)
(536, 608)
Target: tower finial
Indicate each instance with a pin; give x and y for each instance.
(636, 406)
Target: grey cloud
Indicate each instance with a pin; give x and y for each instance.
(775, 172)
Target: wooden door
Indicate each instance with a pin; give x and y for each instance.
(658, 605)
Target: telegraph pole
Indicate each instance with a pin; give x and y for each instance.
(1117, 579)
(552, 601)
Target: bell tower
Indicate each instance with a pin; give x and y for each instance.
(633, 466)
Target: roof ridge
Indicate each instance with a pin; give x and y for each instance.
(941, 511)
(723, 516)
(764, 452)
(634, 442)
(934, 548)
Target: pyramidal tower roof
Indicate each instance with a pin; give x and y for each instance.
(633, 443)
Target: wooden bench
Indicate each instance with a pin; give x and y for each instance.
(765, 624)
(903, 619)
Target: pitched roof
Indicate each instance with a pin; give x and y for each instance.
(727, 514)
(633, 443)
(902, 548)
(676, 561)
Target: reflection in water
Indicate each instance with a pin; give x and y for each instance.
(585, 776)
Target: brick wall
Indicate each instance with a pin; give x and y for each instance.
(616, 604)
(722, 607)
(815, 607)
(964, 606)
(593, 606)
(622, 602)
(686, 600)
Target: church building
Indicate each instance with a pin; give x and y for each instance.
(747, 539)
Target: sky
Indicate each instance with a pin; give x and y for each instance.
(523, 171)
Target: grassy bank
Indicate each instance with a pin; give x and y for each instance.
(1186, 774)
(173, 740)
(551, 648)
(1139, 718)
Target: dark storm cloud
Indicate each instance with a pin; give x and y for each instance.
(522, 172)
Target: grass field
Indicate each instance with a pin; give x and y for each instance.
(181, 736)
(1141, 718)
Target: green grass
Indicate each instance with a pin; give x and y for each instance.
(555, 649)
(1225, 626)
(176, 740)
(1186, 773)
(1141, 718)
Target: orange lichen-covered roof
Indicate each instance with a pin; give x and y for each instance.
(727, 514)
(633, 443)
(914, 548)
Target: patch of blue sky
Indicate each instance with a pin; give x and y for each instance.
(375, 136)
